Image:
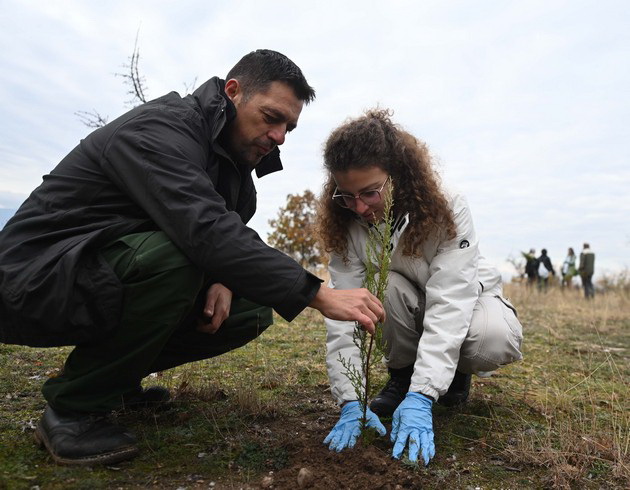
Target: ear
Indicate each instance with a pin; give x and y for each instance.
(233, 90)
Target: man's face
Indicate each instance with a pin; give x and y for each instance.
(262, 121)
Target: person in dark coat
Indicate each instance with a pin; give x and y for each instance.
(135, 250)
(531, 267)
(544, 270)
(586, 268)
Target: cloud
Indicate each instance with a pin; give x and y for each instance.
(524, 105)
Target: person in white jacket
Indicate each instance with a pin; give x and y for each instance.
(446, 317)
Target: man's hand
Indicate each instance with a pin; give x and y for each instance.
(217, 308)
(413, 421)
(345, 432)
(357, 305)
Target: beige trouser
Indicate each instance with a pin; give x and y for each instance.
(493, 339)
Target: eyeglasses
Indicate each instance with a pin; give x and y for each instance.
(369, 197)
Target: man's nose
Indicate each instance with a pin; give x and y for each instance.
(277, 134)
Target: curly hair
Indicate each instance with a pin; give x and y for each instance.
(374, 140)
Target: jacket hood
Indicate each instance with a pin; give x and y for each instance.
(211, 98)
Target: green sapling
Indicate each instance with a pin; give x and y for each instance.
(372, 347)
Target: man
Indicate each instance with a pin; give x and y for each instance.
(586, 269)
(544, 269)
(531, 266)
(134, 249)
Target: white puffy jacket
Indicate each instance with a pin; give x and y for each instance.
(451, 273)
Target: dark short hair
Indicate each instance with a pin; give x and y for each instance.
(255, 72)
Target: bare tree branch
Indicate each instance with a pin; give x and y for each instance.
(133, 77)
(136, 82)
(92, 119)
(190, 88)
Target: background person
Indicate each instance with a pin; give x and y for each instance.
(586, 270)
(545, 269)
(568, 268)
(135, 249)
(531, 267)
(446, 316)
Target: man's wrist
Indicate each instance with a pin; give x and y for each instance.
(317, 300)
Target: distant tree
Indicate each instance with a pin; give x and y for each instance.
(137, 88)
(294, 230)
(518, 264)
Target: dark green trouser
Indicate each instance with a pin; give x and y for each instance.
(163, 297)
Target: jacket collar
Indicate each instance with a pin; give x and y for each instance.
(219, 110)
(399, 224)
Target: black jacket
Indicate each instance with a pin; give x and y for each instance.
(545, 261)
(160, 166)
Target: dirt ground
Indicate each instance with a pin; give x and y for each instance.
(312, 465)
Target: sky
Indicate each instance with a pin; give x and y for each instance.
(525, 105)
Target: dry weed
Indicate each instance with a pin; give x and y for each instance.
(579, 386)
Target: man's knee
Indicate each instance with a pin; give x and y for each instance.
(154, 272)
(246, 322)
(249, 316)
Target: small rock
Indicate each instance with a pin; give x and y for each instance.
(267, 482)
(304, 478)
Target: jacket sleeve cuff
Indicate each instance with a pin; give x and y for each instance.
(300, 297)
(425, 390)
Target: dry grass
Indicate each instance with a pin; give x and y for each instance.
(558, 419)
(577, 379)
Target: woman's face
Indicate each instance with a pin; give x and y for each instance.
(358, 186)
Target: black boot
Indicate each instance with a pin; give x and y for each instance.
(457, 393)
(393, 392)
(84, 439)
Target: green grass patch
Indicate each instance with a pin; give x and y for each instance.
(558, 419)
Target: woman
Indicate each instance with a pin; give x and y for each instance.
(446, 317)
(568, 268)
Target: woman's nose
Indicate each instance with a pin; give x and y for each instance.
(360, 206)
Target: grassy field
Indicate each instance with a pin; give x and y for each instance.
(255, 418)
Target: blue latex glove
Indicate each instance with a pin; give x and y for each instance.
(345, 432)
(413, 420)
